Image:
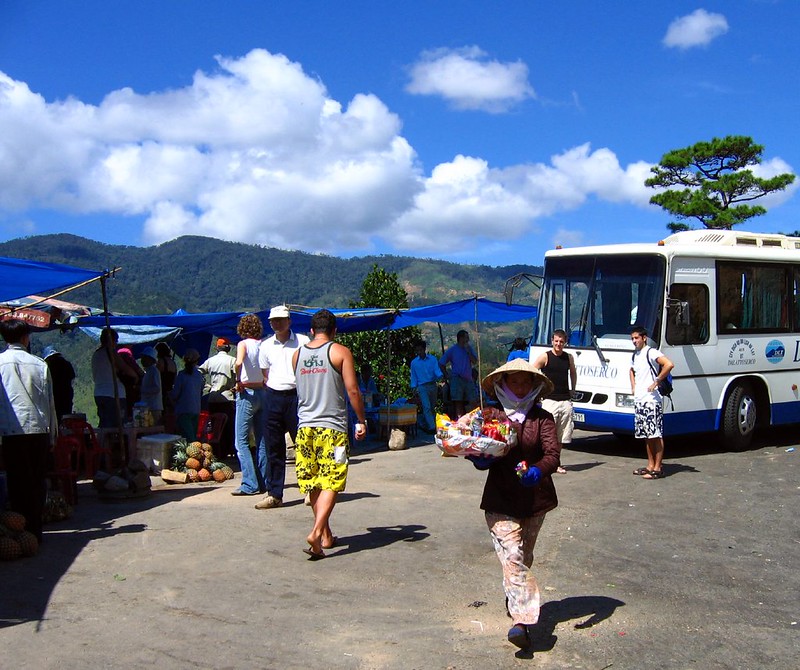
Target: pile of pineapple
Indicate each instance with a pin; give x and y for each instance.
(15, 541)
(197, 460)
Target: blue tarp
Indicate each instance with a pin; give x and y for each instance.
(223, 324)
(20, 278)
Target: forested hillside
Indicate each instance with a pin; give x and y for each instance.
(201, 274)
(205, 274)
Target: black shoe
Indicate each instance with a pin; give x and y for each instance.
(518, 636)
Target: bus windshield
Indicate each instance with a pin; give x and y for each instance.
(600, 297)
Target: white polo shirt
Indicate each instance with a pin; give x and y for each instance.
(275, 357)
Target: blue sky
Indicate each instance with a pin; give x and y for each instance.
(475, 132)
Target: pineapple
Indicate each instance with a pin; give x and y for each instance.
(28, 543)
(192, 474)
(193, 463)
(219, 475)
(14, 521)
(227, 471)
(195, 450)
(9, 548)
(203, 475)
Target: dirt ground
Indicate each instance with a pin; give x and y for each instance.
(697, 570)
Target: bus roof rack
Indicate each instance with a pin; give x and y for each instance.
(732, 238)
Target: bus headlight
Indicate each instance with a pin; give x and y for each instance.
(624, 400)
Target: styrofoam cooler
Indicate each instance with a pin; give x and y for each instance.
(156, 451)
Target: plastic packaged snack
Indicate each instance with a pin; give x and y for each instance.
(456, 438)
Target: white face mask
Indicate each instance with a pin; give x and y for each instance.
(516, 408)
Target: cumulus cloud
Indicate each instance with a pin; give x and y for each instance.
(695, 30)
(469, 80)
(258, 152)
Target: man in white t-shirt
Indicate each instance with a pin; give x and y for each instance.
(648, 368)
(275, 358)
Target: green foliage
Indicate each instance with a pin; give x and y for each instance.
(389, 352)
(712, 177)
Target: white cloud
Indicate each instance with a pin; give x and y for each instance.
(469, 80)
(695, 30)
(257, 152)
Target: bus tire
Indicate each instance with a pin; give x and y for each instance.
(739, 417)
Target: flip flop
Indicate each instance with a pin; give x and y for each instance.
(641, 471)
(653, 474)
(313, 555)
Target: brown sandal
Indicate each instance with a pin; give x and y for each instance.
(653, 474)
(641, 471)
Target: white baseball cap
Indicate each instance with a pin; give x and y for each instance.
(279, 312)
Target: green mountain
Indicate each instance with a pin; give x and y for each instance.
(205, 274)
(201, 274)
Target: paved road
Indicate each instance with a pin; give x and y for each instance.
(698, 570)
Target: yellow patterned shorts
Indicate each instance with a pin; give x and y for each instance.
(321, 457)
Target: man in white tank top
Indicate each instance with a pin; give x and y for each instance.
(325, 377)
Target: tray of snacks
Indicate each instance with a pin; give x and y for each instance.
(477, 433)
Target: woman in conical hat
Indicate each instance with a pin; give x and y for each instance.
(519, 490)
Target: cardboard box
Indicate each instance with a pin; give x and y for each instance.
(156, 451)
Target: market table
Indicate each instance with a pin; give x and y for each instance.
(130, 434)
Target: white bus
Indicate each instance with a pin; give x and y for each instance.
(724, 306)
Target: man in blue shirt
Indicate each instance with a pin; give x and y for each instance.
(425, 373)
(461, 357)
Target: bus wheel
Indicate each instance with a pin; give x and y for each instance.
(739, 418)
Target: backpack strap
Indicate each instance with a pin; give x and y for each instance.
(650, 363)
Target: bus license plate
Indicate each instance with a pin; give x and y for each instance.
(578, 417)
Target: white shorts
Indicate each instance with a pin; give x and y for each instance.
(562, 415)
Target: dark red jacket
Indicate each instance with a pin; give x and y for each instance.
(537, 444)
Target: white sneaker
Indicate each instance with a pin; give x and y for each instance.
(269, 502)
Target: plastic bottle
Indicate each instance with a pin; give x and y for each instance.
(477, 424)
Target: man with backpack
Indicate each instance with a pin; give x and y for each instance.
(649, 369)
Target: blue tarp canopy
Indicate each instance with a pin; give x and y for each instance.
(20, 278)
(223, 324)
(472, 309)
(184, 329)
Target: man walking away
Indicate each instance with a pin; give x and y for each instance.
(326, 378)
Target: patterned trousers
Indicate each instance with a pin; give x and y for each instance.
(514, 540)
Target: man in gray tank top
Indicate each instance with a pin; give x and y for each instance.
(325, 376)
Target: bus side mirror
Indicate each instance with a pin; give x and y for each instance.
(680, 312)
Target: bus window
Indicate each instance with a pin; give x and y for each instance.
(752, 297)
(694, 329)
(796, 299)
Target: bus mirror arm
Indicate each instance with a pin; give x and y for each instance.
(599, 351)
